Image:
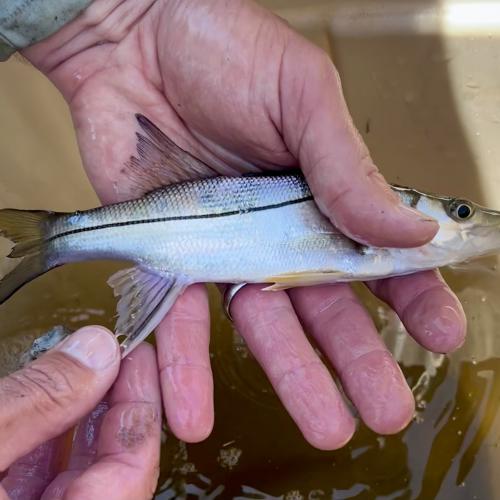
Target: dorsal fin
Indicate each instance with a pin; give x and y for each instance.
(160, 161)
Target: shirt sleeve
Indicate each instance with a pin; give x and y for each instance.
(25, 22)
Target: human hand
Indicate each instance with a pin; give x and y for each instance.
(116, 448)
(234, 85)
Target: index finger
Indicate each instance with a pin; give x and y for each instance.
(49, 395)
(28, 477)
(128, 451)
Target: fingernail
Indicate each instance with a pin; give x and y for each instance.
(437, 321)
(446, 328)
(92, 346)
(415, 214)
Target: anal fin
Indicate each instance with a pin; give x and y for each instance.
(145, 298)
(291, 280)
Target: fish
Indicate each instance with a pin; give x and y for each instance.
(43, 344)
(208, 228)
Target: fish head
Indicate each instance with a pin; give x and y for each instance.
(466, 229)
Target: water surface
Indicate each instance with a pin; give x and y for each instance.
(450, 450)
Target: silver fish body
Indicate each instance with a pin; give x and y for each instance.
(253, 229)
(221, 229)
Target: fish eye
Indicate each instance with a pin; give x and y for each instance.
(460, 210)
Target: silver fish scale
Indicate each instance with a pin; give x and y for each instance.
(253, 229)
(212, 196)
(271, 227)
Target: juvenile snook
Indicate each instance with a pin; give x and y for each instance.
(254, 229)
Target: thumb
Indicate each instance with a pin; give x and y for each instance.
(345, 182)
(51, 394)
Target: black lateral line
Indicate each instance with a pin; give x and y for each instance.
(176, 218)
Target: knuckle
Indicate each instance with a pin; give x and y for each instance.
(267, 319)
(334, 312)
(319, 58)
(332, 72)
(369, 169)
(47, 385)
(339, 192)
(336, 198)
(111, 30)
(305, 368)
(92, 16)
(327, 70)
(319, 64)
(105, 22)
(415, 301)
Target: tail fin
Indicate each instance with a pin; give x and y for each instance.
(26, 229)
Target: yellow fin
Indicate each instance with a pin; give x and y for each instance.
(25, 228)
(284, 281)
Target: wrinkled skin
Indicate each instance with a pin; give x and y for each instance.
(116, 448)
(233, 84)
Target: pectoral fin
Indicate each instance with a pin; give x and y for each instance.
(284, 281)
(145, 298)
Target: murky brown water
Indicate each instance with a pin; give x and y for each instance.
(429, 106)
(449, 451)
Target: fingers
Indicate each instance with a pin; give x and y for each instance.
(185, 374)
(47, 397)
(83, 452)
(28, 477)
(273, 333)
(345, 182)
(430, 311)
(371, 378)
(86, 439)
(128, 450)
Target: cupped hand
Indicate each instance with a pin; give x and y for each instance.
(116, 448)
(237, 87)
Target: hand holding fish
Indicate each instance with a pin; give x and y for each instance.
(115, 451)
(237, 88)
